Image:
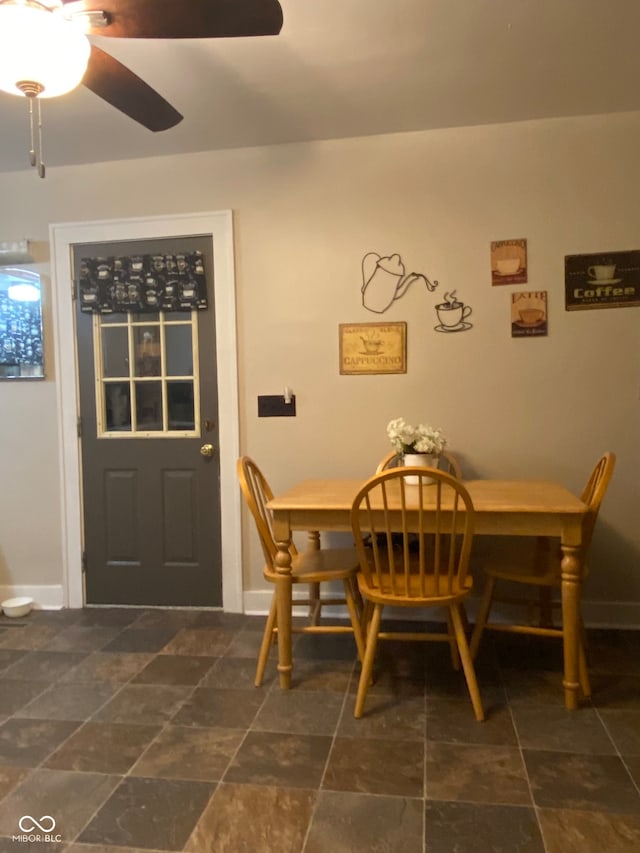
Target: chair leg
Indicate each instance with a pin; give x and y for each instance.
(483, 616)
(583, 672)
(453, 643)
(367, 664)
(314, 603)
(267, 640)
(355, 617)
(467, 662)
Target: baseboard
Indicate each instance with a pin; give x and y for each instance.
(44, 597)
(596, 614)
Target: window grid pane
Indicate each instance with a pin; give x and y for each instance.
(137, 393)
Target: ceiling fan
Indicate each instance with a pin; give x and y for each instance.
(44, 50)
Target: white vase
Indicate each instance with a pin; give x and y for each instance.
(424, 460)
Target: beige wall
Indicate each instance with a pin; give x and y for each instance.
(304, 217)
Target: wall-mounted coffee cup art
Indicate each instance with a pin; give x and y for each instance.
(452, 314)
(603, 273)
(384, 280)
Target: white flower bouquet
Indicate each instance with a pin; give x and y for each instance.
(422, 438)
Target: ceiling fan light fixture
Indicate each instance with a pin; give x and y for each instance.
(41, 53)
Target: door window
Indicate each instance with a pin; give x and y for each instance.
(146, 382)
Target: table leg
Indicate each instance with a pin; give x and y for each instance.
(571, 568)
(283, 605)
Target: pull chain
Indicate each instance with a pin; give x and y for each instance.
(41, 167)
(32, 148)
(31, 91)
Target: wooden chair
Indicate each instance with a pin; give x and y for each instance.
(446, 462)
(388, 519)
(537, 565)
(313, 567)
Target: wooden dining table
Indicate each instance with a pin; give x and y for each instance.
(502, 507)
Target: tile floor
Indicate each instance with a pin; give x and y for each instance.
(141, 730)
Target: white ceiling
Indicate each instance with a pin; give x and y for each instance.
(343, 68)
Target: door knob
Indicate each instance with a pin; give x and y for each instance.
(207, 451)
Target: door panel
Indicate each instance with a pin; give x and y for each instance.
(151, 500)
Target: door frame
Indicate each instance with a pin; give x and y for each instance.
(63, 236)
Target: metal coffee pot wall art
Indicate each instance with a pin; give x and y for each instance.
(384, 280)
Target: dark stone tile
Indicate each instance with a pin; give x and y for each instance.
(108, 617)
(228, 621)
(100, 848)
(442, 681)
(523, 651)
(152, 704)
(325, 647)
(141, 640)
(385, 716)
(246, 644)
(473, 827)
(16, 694)
(69, 701)
(326, 675)
(454, 722)
(633, 766)
(25, 743)
(207, 642)
(58, 618)
(69, 798)
(589, 782)
(189, 753)
(369, 766)
(8, 845)
(10, 778)
(10, 656)
(174, 669)
(299, 711)
(253, 818)
(476, 774)
(149, 813)
(295, 761)
(172, 619)
(616, 691)
(359, 823)
(27, 637)
(568, 831)
(80, 638)
(534, 687)
(624, 728)
(108, 666)
(43, 666)
(553, 727)
(237, 673)
(103, 748)
(231, 709)
(614, 652)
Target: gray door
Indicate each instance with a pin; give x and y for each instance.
(150, 454)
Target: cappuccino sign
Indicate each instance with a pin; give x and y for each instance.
(373, 348)
(604, 280)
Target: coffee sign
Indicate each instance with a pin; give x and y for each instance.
(604, 280)
(373, 348)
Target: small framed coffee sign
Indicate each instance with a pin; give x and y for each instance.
(509, 261)
(529, 314)
(373, 348)
(603, 280)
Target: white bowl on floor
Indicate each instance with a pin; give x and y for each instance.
(14, 607)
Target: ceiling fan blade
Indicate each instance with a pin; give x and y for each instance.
(112, 81)
(184, 19)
